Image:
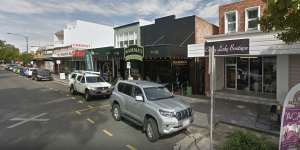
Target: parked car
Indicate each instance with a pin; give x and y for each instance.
(9, 67)
(28, 72)
(151, 106)
(41, 74)
(74, 74)
(90, 84)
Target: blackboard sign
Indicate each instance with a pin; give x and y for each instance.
(228, 47)
(134, 52)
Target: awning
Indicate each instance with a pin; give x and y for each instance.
(105, 53)
(158, 51)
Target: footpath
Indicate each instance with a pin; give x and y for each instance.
(228, 116)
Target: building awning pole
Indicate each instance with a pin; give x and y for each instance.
(212, 78)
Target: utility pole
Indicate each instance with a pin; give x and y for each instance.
(24, 36)
(212, 82)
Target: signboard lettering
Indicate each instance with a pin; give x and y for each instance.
(290, 121)
(228, 47)
(134, 52)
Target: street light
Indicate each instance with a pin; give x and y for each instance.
(24, 36)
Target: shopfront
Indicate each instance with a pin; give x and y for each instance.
(166, 64)
(109, 61)
(251, 66)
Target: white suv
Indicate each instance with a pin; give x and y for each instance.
(90, 84)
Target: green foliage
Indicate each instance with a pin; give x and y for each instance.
(247, 141)
(8, 52)
(283, 16)
(26, 58)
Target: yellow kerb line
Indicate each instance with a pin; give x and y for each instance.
(90, 120)
(130, 147)
(107, 133)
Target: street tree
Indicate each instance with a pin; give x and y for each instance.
(283, 16)
(8, 52)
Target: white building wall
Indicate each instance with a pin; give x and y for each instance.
(87, 33)
(282, 77)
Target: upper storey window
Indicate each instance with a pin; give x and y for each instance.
(231, 24)
(251, 18)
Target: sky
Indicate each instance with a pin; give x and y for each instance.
(40, 19)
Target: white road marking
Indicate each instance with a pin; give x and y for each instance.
(130, 147)
(80, 102)
(90, 120)
(25, 120)
(78, 112)
(73, 98)
(58, 100)
(107, 133)
(60, 83)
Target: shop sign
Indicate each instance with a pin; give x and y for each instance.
(128, 65)
(68, 52)
(58, 62)
(78, 54)
(134, 52)
(290, 121)
(180, 62)
(228, 47)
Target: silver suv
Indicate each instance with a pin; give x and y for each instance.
(151, 106)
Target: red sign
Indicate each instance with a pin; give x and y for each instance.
(78, 54)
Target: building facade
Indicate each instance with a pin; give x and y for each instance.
(165, 51)
(251, 65)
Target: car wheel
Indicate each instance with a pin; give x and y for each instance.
(72, 90)
(116, 112)
(87, 96)
(152, 130)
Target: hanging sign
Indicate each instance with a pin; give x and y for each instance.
(134, 52)
(290, 121)
(228, 47)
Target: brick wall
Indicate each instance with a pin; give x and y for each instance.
(240, 7)
(294, 70)
(202, 29)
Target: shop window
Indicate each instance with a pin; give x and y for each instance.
(256, 74)
(121, 44)
(125, 43)
(251, 18)
(131, 42)
(269, 74)
(231, 24)
(243, 73)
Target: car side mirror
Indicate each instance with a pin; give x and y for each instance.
(139, 98)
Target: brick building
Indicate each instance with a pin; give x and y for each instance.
(251, 65)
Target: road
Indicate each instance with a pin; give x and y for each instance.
(43, 115)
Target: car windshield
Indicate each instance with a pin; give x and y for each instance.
(157, 93)
(94, 79)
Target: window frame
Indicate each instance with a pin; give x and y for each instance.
(247, 18)
(236, 20)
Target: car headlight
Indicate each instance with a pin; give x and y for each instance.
(93, 88)
(167, 113)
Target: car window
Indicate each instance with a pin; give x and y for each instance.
(73, 76)
(137, 92)
(157, 93)
(125, 88)
(94, 79)
(82, 80)
(79, 78)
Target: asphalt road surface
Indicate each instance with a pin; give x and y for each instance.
(42, 115)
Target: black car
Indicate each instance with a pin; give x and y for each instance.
(41, 74)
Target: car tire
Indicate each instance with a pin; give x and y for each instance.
(151, 130)
(116, 112)
(72, 90)
(87, 95)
